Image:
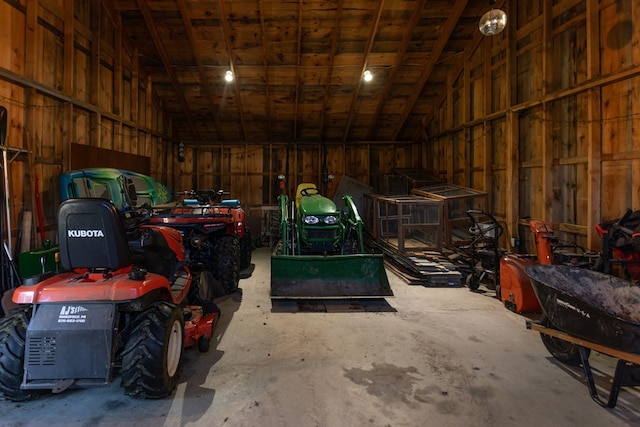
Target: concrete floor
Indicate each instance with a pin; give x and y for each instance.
(444, 357)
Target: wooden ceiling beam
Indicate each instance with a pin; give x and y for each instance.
(363, 67)
(265, 63)
(406, 41)
(204, 80)
(443, 38)
(151, 26)
(296, 105)
(224, 17)
(475, 43)
(334, 49)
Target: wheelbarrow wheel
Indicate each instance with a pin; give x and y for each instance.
(562, 350)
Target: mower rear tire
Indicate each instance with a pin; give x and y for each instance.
(152, 354)
(566, 352)
(227, 261)
(13, 332)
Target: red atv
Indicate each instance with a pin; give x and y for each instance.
(216, 239)
(126, 303)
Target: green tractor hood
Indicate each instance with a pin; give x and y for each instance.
(317, 205)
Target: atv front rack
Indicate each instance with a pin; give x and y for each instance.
(627, 371)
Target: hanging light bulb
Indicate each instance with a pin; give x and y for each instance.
(228, 76)
(493, 22)
(368, 76)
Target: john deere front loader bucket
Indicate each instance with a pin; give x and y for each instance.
(332, 276)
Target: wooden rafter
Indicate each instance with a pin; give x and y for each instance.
(406, 40)
(477, 38)
(265, 63)
(443, 38)
(296, 105)
(363, 67)
(151, 26)
(334, 49)
(204, 80)
(227, 41)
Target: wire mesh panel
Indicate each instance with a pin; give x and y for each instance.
(409, 223)
(457, 201)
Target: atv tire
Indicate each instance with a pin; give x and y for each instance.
(275, 229)
(13, 331)
(245, 250)
(152, 354)
(227, 262)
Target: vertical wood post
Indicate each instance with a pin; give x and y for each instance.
(594, 126)
(94, 78)
(547, 125)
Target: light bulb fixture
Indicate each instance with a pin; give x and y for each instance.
(368, 76)
(228, 76)
(493, 22)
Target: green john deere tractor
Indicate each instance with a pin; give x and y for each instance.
(320, 251)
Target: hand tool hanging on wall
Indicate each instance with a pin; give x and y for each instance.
(5, 273)
(10, 276)
(5, 170)
(39, 211)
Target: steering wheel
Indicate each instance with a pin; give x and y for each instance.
(305, 191)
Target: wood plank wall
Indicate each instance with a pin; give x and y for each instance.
(250, 171)
(67, 76)
(552, 129)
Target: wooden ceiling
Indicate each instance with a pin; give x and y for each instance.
(298, 65)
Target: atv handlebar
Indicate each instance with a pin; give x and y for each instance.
(205, 196)
(134, 217)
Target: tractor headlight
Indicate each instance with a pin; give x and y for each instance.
(311, 220)
(330, 220)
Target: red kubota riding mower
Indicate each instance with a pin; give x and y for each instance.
(126, 302)
(216, 238)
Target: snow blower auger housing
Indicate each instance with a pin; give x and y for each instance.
(125, 302)
(320, 251)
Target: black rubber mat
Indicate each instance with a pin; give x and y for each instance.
(365, 305)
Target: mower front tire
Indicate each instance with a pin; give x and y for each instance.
(13, 332)
(152, 354)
